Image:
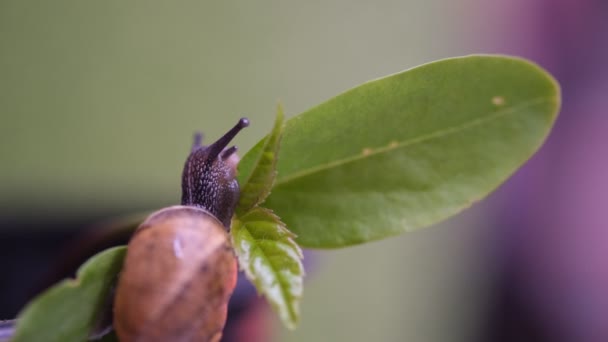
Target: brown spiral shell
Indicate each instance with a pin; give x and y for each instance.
(179, 273)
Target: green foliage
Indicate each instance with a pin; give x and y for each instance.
(266, 250)
(256, 187)
(409, 150)
(271, 260)
(392, 155)
(69, 310)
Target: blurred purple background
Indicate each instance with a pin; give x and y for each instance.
(552, 217)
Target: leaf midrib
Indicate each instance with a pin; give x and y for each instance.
(413, 141)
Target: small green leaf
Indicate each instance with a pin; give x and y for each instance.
(271, 259)
(259, 182)
(409, 150)
(266, 249)
(69, 310)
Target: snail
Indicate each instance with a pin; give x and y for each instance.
(180, 269)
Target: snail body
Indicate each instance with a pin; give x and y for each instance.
(180, 269)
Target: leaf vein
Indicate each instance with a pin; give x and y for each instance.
(411, 142)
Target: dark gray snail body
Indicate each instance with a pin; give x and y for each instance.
(180, 269)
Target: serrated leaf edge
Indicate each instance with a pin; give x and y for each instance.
(270, 148)
(291, 317)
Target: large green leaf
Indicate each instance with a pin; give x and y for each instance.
(69, 310)
(271, 259)
(408, 150)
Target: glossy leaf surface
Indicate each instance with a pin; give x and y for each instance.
(265, 248)
(409, 150)
(272, 260)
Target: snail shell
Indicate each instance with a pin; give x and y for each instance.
(180, 269)
(177, 278)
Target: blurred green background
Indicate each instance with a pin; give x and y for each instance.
(99, 100)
